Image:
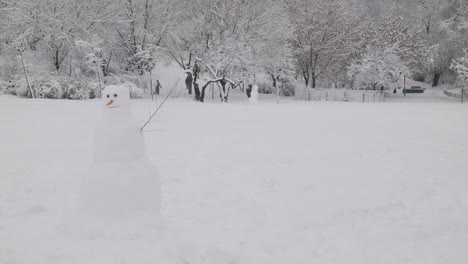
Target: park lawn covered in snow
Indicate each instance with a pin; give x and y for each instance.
(295, 182)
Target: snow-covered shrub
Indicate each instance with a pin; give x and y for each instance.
(94, 89)
(80, 89)
(42, 88)
(265, 88)
(10, 87)
(47, 89)
(287, 88)
(6, 87)
(419, 77)
(8, 66)
(2, 87)
(76, 92)
(21, 89)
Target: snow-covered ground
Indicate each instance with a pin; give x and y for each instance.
(295, 182)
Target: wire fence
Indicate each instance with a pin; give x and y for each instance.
(457, 92)
(339, 95)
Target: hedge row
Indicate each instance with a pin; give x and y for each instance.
(62, 88)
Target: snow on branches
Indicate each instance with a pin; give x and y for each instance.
(324, 34)
(55, 25)
(460, 66)
(231, 37)
(378, 69)
(410, 47)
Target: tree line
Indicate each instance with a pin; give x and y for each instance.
(357, 44)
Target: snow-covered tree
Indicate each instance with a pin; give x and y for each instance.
(230, 38)
(273, 54)
(143, 24)
(394, 32)
(93, 54)
(324, 33)
(315, 40)
(460, 66)
(450, 36)
(428, 11)
(53, 26)
(147, 59)
(378, 69)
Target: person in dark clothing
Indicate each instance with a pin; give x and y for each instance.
(248, 90)
(158, 87)
(196, 71)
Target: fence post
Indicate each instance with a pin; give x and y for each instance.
(363, 97)
(462, 94)
(326, 96)
(344, 96)
(309, 94)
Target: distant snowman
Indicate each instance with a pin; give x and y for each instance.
(254, 95)
(121, 180)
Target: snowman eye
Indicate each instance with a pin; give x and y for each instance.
(115, 95)
(108, 96)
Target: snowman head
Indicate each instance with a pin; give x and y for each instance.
(115, 97)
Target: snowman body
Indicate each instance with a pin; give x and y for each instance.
(121, 179)
(117, 137)
(254, 95)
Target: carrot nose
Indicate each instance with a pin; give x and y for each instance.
(110, 102)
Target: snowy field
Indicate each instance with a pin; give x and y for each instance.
(296, 182)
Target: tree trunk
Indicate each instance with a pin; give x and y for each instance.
(221, 88)
(197, 91)
(104, 70)
(151, 86)
(212, 91)
(274, 79)
(99, 77)
(436, 79)
(57, 61)
(277, 94)
(26, 76)
(202, 95)
(188, 83)
(305, 73)
(108, 62)
(228, 91)
(105, 67)
(314, 79)
(306, 79)
(223, 94)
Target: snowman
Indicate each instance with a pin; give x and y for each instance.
(254, 95)
(121, 180)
